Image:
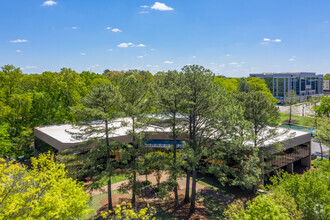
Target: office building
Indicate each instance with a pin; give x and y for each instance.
(303, 83)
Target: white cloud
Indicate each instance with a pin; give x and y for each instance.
(266, 40)
(18, 51)
(116, 30)
(75, 28)
(18, 41)
(156, 66)
(222, 65)
(31, 67)
(140, 45)
(83, 54)
(140, 57)
(143, 12)
(108, 28)
(148, 65)
(227, 55)
(193, 57)
(161, 7)
(49, 3)
(144, 6)
(292, 59)
(233, 63)
(168, 62)
(125, 45)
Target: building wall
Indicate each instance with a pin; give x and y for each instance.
(326, 86)
(304, 84)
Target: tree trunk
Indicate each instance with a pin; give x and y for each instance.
(321, 151)
(108, 164)
(187, 197)
(134, 163)
(194, 172)
(290, 115)
(175, 189)
(193, 190)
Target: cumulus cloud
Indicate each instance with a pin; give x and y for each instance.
(75, 28)
(148, 65)
(18, 51)
(267, 39)
(227, 55)
(277, 40)
(83, 54)
(125, 45)
(49, 3)
(116, 30)
(140, 57)
(144, 6)
(107, 28)
(19, 41)
(161, 7)
(292, 59)
(168, 62)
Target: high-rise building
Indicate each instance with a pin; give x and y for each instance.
(303, 83)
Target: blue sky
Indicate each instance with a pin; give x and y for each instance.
(231, 37)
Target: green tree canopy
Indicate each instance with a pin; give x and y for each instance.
(44, 192)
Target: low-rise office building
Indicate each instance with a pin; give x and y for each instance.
(296, 145)
(305, 84)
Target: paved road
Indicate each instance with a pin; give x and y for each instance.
(317, 151)
(301, 110)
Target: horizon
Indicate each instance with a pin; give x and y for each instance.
(233, 39)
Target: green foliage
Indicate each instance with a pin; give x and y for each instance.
(259, 85)
(326, 76)
(229, 84)
(126, 212)
(261, 112)
(44, 192)
(324, 108)
(311, 192)
(321, 164)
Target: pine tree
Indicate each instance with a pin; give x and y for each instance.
(100, 104)
(168, 91)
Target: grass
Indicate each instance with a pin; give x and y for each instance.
(95, 203)
(299, 120)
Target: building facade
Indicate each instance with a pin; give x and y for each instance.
(303, 83)
(326, 86)
(296, 144)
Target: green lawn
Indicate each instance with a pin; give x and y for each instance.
(94, 203)
(300, 120)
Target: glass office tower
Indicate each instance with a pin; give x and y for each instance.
(303, 83)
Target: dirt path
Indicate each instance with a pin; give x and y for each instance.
(151, 177)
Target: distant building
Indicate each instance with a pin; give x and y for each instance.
(326, 86)
(303, 83)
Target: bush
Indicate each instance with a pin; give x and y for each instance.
(322, 164)
(146, 183)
